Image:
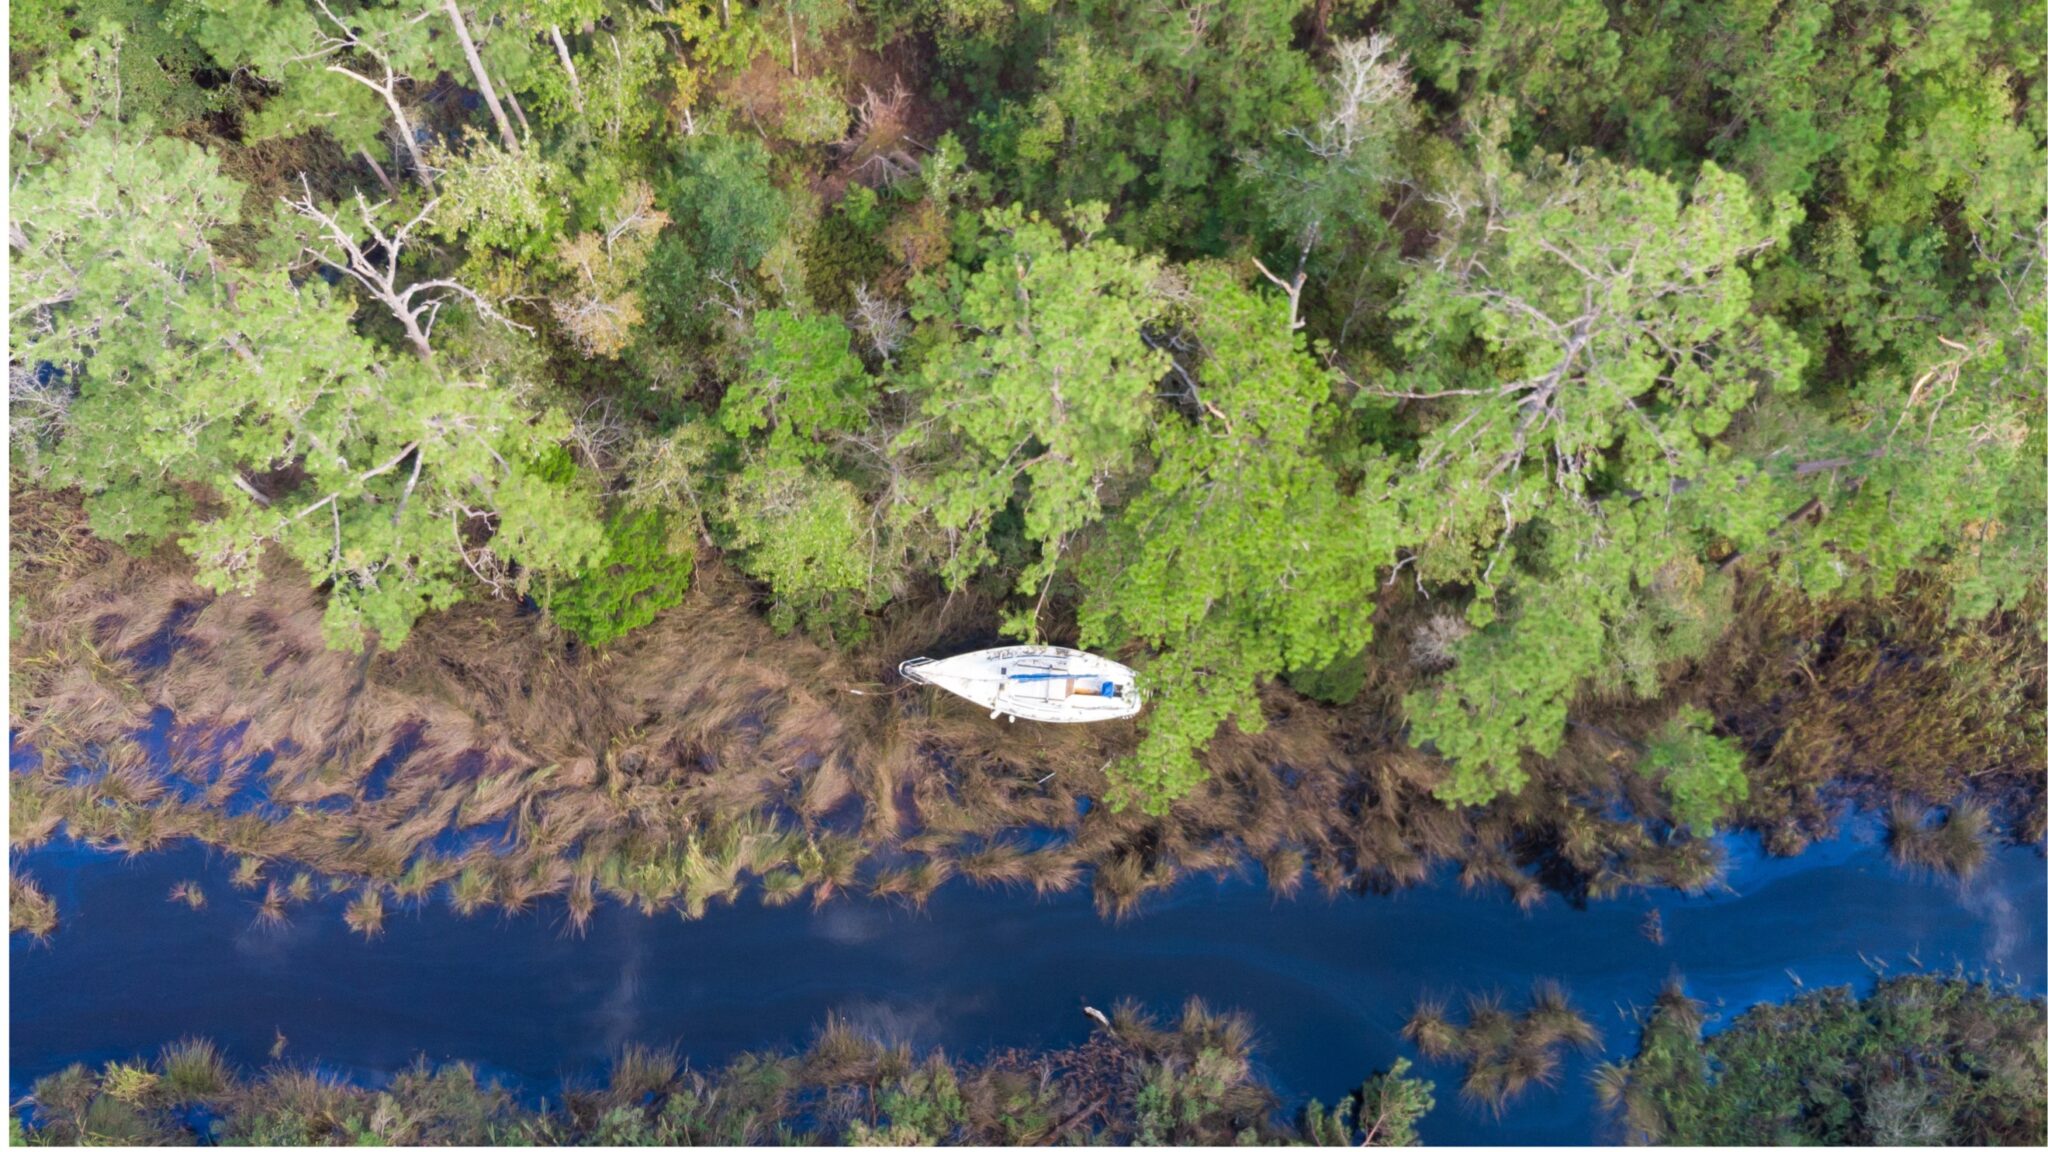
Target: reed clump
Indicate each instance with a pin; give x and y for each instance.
(1955, 845)
(30, 911)
(365, 914)
(1505, 1053)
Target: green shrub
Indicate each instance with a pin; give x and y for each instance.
(644, 569)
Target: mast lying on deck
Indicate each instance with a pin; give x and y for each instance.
(1035, 681)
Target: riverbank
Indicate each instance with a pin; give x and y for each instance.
(495, 763)
(1920, 1059)
(1328, 985)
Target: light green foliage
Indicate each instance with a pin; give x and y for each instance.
(921, 1109)
(156, 69)
(644, 568)
(328, 66)
(1921, 1060)
(1557, 59)
(1041, 395)
(1515, 678)
(1934, 466)
(1592, 332)
(620, 71)
(1324, 181)
(801, 528)
(1381, 1114)
(1240, 559)
(813, 112)
(498, 199)
(807, 536)
(802, 384)
(393, 457)
(1701, 773)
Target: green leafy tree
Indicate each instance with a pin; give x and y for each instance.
(1241, 559)
(802, 385)
(799, 525)
(644, 568)
(808, 537)
(1590, 334)
(1701, 773)
(384, 478)
(1383, 1112)
(1038, 390)
(1141, 106)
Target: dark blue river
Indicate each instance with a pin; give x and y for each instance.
(1327, 982)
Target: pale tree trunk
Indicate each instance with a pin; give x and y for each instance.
(519, 114)
(389, 91)
(389, 189)
(569, 66)
(483, 78)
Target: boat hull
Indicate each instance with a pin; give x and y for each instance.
(1035, 682)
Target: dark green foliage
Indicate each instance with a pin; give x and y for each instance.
(644, 568)
(1139, 107)
(1337, 682)
(1920, 1060)
(166, 76)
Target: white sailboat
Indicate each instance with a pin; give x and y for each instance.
(1035, 681)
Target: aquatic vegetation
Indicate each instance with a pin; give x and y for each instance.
(705, 726)
(471, 889)
(365, 914)
(188, 893)
(1920, 1059)
(30, 911)
(270, 911)
(1505, 1053)
(1188, 1083)
(1429, 1028)
(193, 1070)
(1955, 846)
(248, 873)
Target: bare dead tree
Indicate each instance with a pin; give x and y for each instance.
(1293, 285)
(883, 321)
(1367, 89)
(375, 267)
(880, 145)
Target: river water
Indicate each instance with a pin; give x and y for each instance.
(1328, 982)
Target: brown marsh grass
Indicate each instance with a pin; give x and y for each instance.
(30, 911)
(1505, 1053)
(493, 763)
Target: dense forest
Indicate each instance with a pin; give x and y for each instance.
(1527, 432)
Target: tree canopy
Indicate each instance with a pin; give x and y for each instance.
(1192, 334)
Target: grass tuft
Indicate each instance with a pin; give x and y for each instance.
(365, 914)
(29, 911)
